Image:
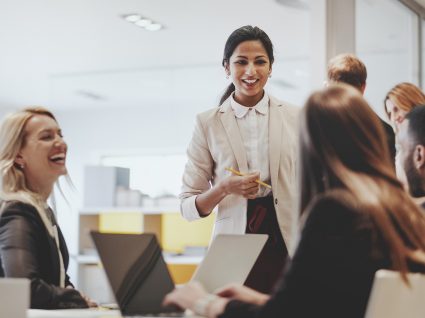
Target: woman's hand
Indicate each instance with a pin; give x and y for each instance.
(245, 185)
(90, 302)
(190, 295)
(186, 296)
(243, 293)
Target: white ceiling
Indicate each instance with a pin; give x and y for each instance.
(79, 53)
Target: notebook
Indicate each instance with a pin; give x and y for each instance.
(139, 277)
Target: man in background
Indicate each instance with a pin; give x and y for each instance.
(411, 139)
(348, 69)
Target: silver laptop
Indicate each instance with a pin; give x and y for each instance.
(139, 277)
(392, 298)
(230, 258)
(14, 297)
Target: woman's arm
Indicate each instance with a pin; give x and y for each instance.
(20, 234)
(198, 198)
(330, 275)
(331, 272)
(244, 186)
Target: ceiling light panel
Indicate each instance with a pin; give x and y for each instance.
(143, 22)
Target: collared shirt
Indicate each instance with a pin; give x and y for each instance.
(253, 123)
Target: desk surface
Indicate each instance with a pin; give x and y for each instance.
(73, 313)
(78, 313)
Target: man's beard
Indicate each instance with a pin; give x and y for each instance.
(415, 180)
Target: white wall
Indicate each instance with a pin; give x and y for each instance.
(92, 133)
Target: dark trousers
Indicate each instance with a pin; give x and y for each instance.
(261, 219)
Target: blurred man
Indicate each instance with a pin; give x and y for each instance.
(348, 69)
(411, 139)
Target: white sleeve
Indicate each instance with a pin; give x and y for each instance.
(198, 172)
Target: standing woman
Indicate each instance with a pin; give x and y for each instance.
(255, 134)
(32, 157)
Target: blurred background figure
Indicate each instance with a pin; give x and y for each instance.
(347, 68)
(411, 138)
(400, 100)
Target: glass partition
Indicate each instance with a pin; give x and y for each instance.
(387, 42)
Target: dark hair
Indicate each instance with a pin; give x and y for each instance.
(347, 68)
(343, 147)
(416, 128)
(245, 33)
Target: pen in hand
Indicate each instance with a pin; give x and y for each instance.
(242, 175)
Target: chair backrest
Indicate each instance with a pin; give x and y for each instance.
(14, 297)
(392, 298)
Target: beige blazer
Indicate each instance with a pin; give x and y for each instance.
(216, 144)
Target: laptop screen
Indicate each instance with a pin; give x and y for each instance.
(136, 270)
(139, 276)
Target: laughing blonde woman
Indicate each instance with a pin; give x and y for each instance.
(32, 158)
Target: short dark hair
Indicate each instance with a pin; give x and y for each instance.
(245, 33)
(348, 69)
(416, 118)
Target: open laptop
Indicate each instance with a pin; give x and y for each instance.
(390, 297)
(229, 259)
(139, 277)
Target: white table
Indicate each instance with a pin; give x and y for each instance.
(73, 313)
(79, 313)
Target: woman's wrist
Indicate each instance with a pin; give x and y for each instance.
(210, 306)
(201, 306)
(223, 188)
(262, 299)
(205, 202)
(217, 307)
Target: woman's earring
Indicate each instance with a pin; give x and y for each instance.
(270, 75)
(227, 76)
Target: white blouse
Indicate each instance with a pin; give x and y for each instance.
(253, 123)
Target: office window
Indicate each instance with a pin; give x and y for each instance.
(387, 42)
(423, 53)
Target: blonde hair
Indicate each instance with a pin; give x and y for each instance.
(405, 96)
(12, 139)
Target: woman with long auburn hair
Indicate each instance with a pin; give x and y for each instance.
(356, 219)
